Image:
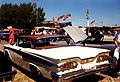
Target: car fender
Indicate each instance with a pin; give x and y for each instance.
(7, 53)
(42, 70)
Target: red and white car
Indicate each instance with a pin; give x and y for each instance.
(52, 57)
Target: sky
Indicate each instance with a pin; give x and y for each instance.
(103, 12)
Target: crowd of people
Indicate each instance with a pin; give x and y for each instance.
(51, 31)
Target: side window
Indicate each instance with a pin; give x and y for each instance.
(20, 42)
(41, 42)
(59, 41)
(24, 42)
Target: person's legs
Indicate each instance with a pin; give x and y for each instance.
(117, 55)
(118, 66)
(115, 58)
(115, 64)
(116, 52)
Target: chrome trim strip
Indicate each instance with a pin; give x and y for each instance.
(87, 72)
(34, 57)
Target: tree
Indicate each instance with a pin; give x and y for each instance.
(38, 15)
(6, 15)
(20, 16)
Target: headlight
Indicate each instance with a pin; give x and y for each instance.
(68, 66)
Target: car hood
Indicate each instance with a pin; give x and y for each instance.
(68, 52)
(75, 33)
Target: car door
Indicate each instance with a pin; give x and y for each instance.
(18, 52)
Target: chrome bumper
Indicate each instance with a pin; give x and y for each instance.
(80, 73)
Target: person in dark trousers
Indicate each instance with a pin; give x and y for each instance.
(16, 34)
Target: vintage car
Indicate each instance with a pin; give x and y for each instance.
(80, 38)
(4, 35)
(52, 57)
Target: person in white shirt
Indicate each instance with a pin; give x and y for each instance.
(117, 51)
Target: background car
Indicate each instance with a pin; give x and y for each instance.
(4, 35)
(97, 41)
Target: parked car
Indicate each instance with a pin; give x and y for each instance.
(4, 35)
(52, 57)
(80, 38)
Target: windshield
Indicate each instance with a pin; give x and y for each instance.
(58, 41)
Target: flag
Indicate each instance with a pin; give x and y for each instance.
(92, 23)
(67, 16)
(64, 17)
(54, 19)
(60, 17)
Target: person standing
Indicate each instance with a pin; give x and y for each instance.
(11, 38)
(117, 51)
(16, 34)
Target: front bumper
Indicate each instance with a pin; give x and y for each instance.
(79, 73)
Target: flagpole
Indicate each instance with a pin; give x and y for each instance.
(88, 22)
(87, 17)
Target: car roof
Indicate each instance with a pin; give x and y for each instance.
(41, 36)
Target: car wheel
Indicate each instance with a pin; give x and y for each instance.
(5, 65)
(37, 75)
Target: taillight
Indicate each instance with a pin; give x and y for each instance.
(68, 65)
(103, 58)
